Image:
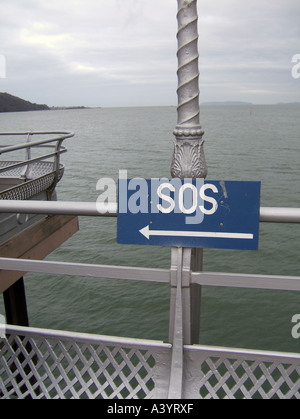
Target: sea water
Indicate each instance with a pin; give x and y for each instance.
(258, 143)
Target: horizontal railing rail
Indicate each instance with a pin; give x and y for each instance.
(279, 215)
(213, 279)
(90, 209)
(86, 270)
(58, 136)
(266, 282)
(29, 161)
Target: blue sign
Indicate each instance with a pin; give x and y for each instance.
(186, 213)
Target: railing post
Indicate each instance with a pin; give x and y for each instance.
(57, 160)
(26, 172)
(189, 159)
(176, 325)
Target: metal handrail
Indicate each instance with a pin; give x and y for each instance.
(62, 135)
(27, 162)
(279, 215)
(93, 209)
(58, 138)
(86, 270)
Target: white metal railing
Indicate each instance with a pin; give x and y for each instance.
(53, 140)
(93, 209)
(48, 364)
(272, 282)
(85, 270)
(44, 364)
(56, 136)
(176, 370)
(222, 373)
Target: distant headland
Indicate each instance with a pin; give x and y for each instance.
(67, 108)
(10, 103)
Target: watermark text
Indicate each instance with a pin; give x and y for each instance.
(154, 409)
(296, 328)
(193, 198)
(2, 67)
(296, 67)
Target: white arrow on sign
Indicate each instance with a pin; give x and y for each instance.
(204, 234)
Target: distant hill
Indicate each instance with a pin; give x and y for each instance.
(9, 103)
(228, 103)
(289, 103)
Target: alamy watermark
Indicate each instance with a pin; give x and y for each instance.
(296, 328)
(296, 67)
(2, 67)
(2, 327)
(193, 198)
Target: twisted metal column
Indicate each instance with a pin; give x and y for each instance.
(189, 160)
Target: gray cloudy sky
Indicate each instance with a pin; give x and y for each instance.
(123, 52)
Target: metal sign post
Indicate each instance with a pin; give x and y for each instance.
(189, 160)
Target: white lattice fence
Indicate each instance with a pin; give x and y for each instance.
(217, 373)
(43, 364)
(48, 364)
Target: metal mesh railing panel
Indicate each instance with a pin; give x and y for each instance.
(217, 374)
(28, 189)
(37, 365)
(37, 169)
